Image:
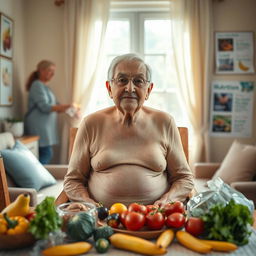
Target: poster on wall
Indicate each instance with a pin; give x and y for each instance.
(6, 36)
(6, 98)
(234, 52)
(231, 108)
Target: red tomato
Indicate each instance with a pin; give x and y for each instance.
(175, 220)
(30, 216)
(152, 207)
(135, 207)
(155, 220)
(122, 217)
(134, 221)
(194, 226)
(174, 207)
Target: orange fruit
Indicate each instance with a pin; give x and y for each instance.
(117, 208)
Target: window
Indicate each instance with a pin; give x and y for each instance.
(146, 33)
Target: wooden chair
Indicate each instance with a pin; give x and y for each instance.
(62, 198)
(4, 193)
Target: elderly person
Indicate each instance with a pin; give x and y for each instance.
(128, 152)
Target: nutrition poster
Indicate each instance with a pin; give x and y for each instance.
(232, 108)
(234, 52)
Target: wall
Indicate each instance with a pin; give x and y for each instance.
(15, 10)
(234, 15)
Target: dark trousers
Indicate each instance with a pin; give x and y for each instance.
(45, 154)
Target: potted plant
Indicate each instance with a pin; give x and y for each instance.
(15, 126)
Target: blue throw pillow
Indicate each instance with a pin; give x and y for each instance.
(25, 169)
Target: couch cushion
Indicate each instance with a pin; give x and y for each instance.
(53, 190)
(239, 164)
(25, 169)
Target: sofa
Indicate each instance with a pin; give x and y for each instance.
(7, 141)
(205, 171)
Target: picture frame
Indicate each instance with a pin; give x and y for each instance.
(6, 82)
(6, 36)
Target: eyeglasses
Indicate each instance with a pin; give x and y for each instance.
(137, 81)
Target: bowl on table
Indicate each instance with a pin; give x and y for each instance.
(16, 241)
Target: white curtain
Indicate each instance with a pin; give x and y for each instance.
(191, 42)
(85, 27)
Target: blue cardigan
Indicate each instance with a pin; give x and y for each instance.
(40, 120)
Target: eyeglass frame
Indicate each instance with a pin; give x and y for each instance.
(129, 80)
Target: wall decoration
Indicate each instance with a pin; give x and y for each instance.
(6, 91)
(234, 52)
(6, 37)
(232, 108)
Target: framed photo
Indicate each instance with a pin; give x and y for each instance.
(6, 38)
(234, 52)
(6, 74)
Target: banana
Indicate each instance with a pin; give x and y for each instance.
(135, 244)
(192, 243)
(19, 207)
(242, 66)
(68, 249)
(165, 238)
(220, 245)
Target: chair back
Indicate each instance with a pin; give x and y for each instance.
(62, 198)
(4, 192)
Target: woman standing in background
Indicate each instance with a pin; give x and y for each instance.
(41, 117)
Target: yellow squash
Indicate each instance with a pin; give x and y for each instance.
(192, 242)
(165, 238)
(221, 245)
(19, 207)
(68, 249)
(135, 244)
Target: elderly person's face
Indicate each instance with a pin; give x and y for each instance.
(129, 87)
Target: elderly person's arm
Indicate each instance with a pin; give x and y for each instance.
(76, 179)
(179, 173)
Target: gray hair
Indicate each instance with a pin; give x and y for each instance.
(127, 57)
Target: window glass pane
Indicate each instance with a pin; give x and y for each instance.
(118, 37)
(157, 36)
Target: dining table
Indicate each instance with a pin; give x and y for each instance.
(174, 249)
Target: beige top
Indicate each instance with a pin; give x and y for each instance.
(115, 163)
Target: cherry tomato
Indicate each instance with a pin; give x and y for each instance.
(134, 221)
(123, 216)
(117, 208)
(152, 207)
(30, 216)
(175, 220)
(174, 207)
(194, 226)
(113, 220)
(135, 207)
(155, 220)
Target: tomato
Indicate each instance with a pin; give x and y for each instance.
(134, 221)
(113, 220)
(117, 208)
(155, 220)
(152, 207)
(123, 216)
(194, 226)
(135, 207)
(174, 207)
(30, 216)
(175, 220)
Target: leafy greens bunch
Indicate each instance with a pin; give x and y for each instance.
(231, 223)
(46, 220)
